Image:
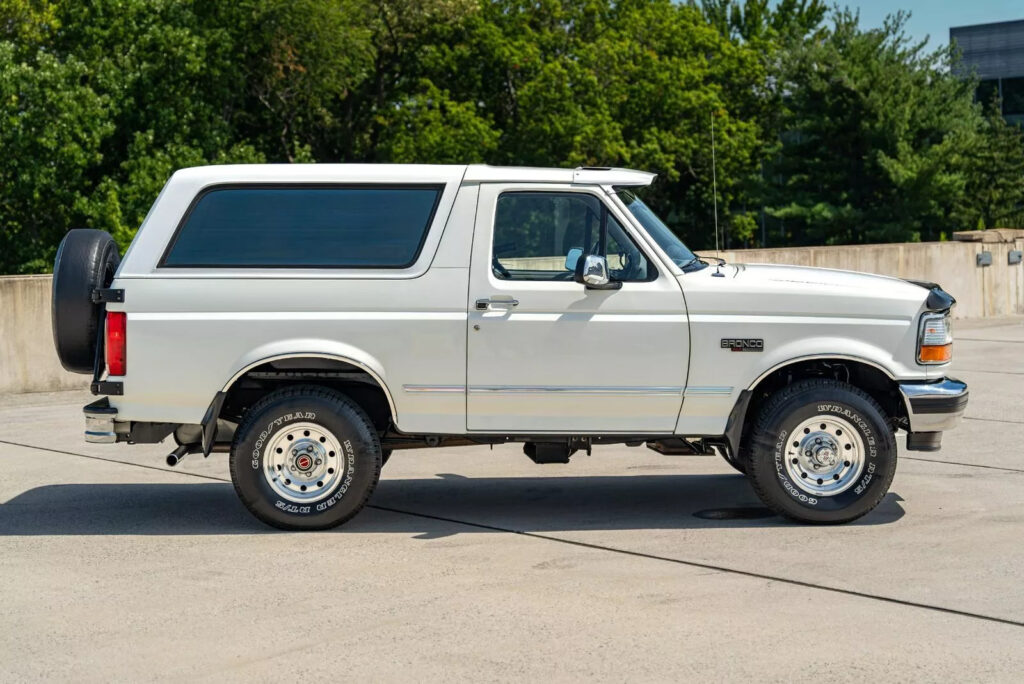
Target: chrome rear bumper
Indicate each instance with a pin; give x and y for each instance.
(100, 417)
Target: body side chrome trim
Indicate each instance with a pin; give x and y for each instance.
(304, 316)
(708, 391)
(545, 389)
(450, 389)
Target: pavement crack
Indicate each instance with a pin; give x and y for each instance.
(979, 370)
(597, 547)
(710, 566)
(114, 460)
(966, 465)
(996, 420)
(981, 339)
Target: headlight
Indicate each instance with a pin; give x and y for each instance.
(935, 339)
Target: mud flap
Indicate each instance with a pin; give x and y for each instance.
(210, 421)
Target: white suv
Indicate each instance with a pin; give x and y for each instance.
(310, 319)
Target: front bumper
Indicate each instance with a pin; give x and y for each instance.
(933, 407)
(100, 418)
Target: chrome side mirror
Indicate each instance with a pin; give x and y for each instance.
(592, 271)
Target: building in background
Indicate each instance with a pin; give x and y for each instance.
(995, 53)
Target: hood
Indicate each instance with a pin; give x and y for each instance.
(793, 290)
(825, 277)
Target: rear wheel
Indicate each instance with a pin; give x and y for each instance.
(821, 451)
(305, 458)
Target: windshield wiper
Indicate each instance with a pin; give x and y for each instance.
(692, 264)
(720, 260)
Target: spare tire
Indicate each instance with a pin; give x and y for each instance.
(86, 261)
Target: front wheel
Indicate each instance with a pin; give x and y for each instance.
(821, 451)
(305, 458)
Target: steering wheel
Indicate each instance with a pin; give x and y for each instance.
(629, 266)
(499, 269)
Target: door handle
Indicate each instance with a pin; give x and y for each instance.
(484, 304)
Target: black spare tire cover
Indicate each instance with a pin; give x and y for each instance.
(86, 260)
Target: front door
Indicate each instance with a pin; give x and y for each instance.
(545, 354)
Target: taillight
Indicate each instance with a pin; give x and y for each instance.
(115, 345)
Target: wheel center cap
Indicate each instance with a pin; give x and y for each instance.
(825, 456)
(304, 462)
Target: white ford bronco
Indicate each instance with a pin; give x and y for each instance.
(310, 319)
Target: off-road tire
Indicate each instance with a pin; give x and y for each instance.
(770, 443)
(273, 418)
(86, 261)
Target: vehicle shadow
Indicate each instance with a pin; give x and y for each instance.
(426, 508)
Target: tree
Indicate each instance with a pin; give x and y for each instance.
(871, 134)
(994, 192)
(52, 128)
(829, 133)
(632, 83)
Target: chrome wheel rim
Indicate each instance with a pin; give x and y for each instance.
(303, 463)
(825, 455)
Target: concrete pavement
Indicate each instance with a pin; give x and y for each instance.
(477, 564)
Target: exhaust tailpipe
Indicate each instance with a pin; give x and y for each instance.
(177, 456)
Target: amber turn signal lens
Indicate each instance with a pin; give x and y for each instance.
(938, 353)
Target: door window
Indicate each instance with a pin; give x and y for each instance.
(541, 235)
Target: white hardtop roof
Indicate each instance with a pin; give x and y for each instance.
(412, 173)
(583, 175)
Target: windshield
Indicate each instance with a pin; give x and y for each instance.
(679, 253)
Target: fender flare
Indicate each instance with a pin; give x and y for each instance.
(324, 350)
(361, 365)
(738, 415)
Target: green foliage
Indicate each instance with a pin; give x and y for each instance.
(27, 23)
(52, 128)
(993, 195)
(872, 131)
(824, 133)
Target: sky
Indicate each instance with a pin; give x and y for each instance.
(934, 17)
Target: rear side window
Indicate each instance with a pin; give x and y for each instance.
(305, 227)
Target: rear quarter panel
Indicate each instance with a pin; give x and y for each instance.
(190, 331)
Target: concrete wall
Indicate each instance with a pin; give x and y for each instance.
(28, 362)
(980, 291)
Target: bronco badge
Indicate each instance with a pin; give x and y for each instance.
(743, 344)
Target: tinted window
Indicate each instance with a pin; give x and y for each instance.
(987, 92)
(662, 234)
(1013, 96)
(326, 227)
(539, 235)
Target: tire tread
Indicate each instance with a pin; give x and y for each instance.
(761, 438)
(343, 405)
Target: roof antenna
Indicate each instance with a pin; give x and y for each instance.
(714, 185)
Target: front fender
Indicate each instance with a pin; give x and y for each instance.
(718, 375)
